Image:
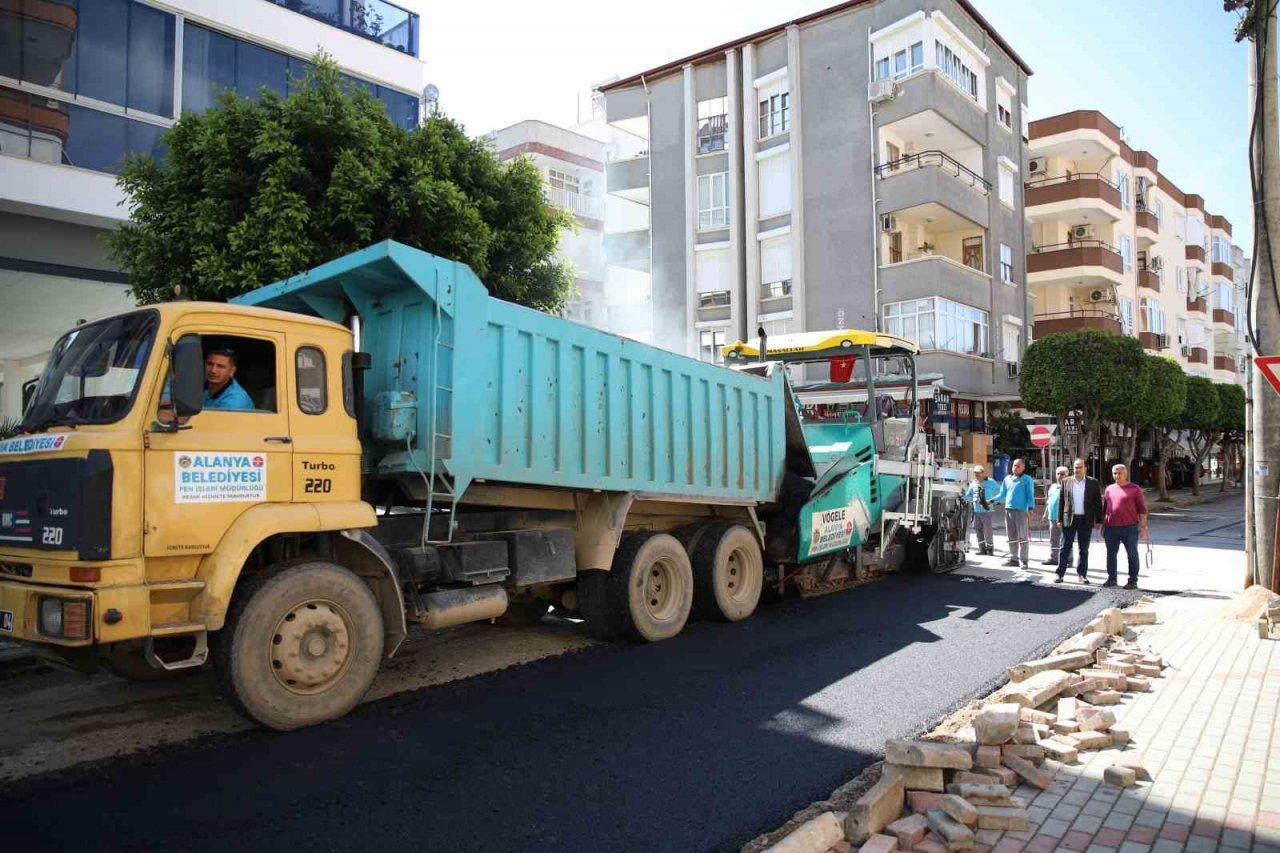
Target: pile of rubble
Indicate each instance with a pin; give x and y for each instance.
(934, 796)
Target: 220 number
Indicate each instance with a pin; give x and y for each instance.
(318, 485)
(51, 536)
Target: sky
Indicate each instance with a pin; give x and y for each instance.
(1168, 71)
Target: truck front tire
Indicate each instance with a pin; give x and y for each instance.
(728, 572)
(646, 595)
(301, 645)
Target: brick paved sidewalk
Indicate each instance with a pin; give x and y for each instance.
(1205, 733)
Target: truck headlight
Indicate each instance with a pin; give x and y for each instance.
(66, 619)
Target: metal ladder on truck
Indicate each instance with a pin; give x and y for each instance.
(439, 481)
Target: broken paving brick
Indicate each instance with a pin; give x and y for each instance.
(926, 753)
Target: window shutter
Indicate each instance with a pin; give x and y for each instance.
(775, 259)
(713, 270)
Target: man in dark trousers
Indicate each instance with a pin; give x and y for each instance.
(1079, 512)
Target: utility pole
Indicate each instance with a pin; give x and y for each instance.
(1265, 154)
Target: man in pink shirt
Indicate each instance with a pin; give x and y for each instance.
(1124, 519)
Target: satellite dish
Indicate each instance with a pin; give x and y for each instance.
(431, 92)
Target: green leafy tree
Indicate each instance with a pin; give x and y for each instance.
(252, 191)
(1199, 423)
(1008, 430)
(1162, 403)
(1091, 372)
(1230, 427)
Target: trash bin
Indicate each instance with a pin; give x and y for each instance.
(1000, 466)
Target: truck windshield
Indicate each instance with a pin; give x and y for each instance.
(93, 373)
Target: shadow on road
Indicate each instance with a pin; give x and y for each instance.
(698, 743)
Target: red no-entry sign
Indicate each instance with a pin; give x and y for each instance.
(1268, 365)
(1042, 435)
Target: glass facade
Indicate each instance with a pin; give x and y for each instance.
(107, 71)
(377, 20)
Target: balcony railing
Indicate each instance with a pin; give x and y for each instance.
(1077, 253)
(711, 134)
(1153, 340)
(586, 206)
(1071, 187)
(1198, 303)
(1195, 253)
(376, 20)
(775, 289)
(1224, 362)
(1149, 278)
(1077, 320)
(1147, 219)
(1196, 354)
(714, 299)
(936, 160)
(1222, 315)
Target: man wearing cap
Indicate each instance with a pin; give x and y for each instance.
(1018, 494)
(978, 496)
(221, 390)
(1051, 501)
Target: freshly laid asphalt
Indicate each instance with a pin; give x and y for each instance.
(697, 743)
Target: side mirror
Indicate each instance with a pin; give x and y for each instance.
(187, 365)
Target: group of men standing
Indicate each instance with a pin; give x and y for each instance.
(1075, 506)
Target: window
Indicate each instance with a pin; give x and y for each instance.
(1221, 250)
(1005, 117)
(376, 20)
(1142, 193)
(1009, 341)
(711, 268)
(1124, 307)
(1004, 103)
(1026, 122)
(916, 56)
(775, 185)
(882, 69)
(775, 267)
(1006, 185)
(775, 110)
(1126, 251)
(950, 64)
(971, 251)
(313, 398)
(1182, 280)
(938, 323)
(1006, 264)
(900, 64)
(1224, 298)
(710, 345)
(1157, 210)
(1122, 183)
(1152, 316)
(713, 201)
(349, 383)
(713, 124)
(1180, 225)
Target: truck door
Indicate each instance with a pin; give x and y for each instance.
(229, 457)
(326, 449)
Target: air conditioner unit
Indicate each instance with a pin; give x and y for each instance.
(880, 91)
(1103, 294)
(888, 223)
(1186, 351)
(1079, 232)
(1038, 165)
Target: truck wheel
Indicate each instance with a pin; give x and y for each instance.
(728, 573)
(646, 595)
(523, 612)
(128, 660)
(301, 645)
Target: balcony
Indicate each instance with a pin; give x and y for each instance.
(934, 177)
(923, 276)
(1195, 253)
(1196, 355)
(1148, 226)
(376, 20)
(1149, 279)
(1075, 321)
(1085, 197)
(629, 249)
(1220, 269)
(586, 206)
(1197, 304)
(629, 178)
(1082, 262)
(1226, 318)
(931, 93)
(1153, 340)
(1224, 362)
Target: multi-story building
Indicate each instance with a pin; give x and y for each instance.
(83, 84)
(1116, 245)
(572, 162)
(859, 167)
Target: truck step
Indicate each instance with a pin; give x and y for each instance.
(195, 586)
(170, 629)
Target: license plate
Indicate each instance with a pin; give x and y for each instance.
(6, 620)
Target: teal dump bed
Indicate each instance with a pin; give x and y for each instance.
(507, 394)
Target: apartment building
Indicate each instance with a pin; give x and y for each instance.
(859, 167)
(84, 83)
(1116, 245)
(572, 161)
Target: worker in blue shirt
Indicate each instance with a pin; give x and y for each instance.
(1018, 494)
(979, 495)
(1052, 499)
(221, 390)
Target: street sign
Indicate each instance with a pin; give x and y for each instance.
(1269, 364)
(1043, 435)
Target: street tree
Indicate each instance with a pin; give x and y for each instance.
(1198, 423)
(255, 190)
(1161, 402)
(1008, 430)
(1091, 372)
(1230, 426)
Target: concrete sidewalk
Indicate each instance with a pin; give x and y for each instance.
(1207, 736)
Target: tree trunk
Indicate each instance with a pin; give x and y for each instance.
(1222, 469)
(1162, 468)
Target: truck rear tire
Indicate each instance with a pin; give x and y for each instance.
(301, 645)
(646, 595)
(728, 572)
(522, 612)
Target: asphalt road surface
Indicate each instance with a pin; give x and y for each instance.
(698, 743)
